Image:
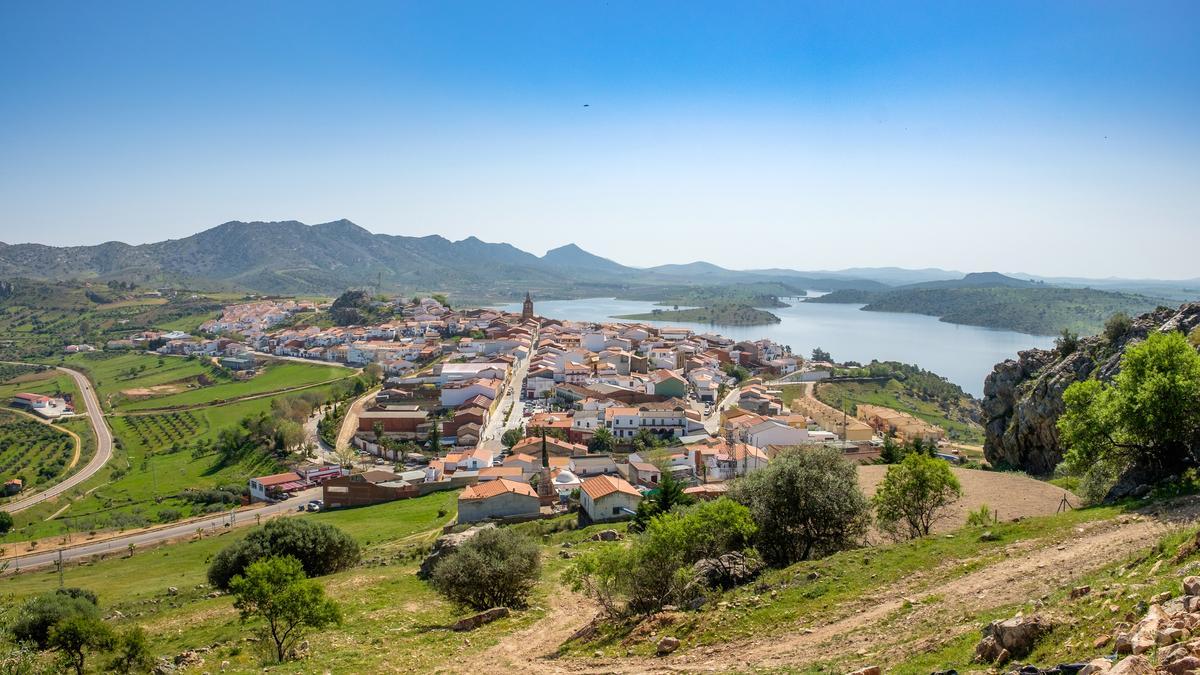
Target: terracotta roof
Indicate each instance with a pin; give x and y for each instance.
(501, 471)
(602, 486)
(278, 478)
(495, 488)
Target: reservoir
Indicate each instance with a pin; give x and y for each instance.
(962, 354)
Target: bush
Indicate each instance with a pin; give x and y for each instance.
(320, 548)
(805, 503)
(6, 522)
(495, 568)
(43, 612)
(276, 591)
(982, 517)
(914, 495)
(656, 569)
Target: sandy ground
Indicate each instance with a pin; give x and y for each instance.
(1012, 495)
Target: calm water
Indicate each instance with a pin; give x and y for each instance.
(962, 354)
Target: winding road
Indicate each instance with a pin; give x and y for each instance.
(104, 448)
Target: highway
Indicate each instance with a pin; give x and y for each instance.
(104, 446)
(180, 530)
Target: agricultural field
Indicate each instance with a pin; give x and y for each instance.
(128, 381)
(276, 376)
(33, 451)
(50, 382)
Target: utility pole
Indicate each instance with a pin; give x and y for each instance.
(60, 568)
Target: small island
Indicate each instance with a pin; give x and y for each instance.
(729, 314)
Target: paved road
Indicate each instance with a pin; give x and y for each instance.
(297, 359)
(713, 424)
(180, 530)
(490, 437)
(104, 445)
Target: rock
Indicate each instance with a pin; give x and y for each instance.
(1101, 641)
(1124, 643)
(1132, 665)
(188, 659)
(224, 665)
(1184, 664)
(1080, 591)
(1191, 585)
(1160, 598)
(1022, 397)
(171, 590)
(606, 535)
(1145, 633)
(1096, 667)
(729, 570)
(445, 545)
(667, 645)
(1016, 636)
(476, 620)
(566, 555)
(1168, 636)
(869, 670)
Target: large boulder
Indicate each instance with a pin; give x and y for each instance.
(445, 545)
(729, 570)
(1132, 665)
(1011, 638)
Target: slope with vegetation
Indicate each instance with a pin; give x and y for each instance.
(717, 315)
(996, 301)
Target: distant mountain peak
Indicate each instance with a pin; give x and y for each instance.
(574, 256)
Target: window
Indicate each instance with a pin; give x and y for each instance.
(616, 510)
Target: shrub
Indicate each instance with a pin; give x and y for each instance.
(495, 568)
(43, 612)
(320, 549)
(132, 652)
(914, 495)
(806, 504)
(6, 522)
(981, 517)
(76, 635)
(656, 569)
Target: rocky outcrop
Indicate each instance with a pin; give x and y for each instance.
(1022, 397)
(445, 545)
(1012, 638)
(476, 620)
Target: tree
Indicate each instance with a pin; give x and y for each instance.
(434, 439)
(319, 547)
(664, 499)
(806, 503)
(914, 495)
(512, 436)
(602, 441)
(73, 637)
(277, 591)
(345, 455)
(374, 373)
(6, 522)
(819, 354)
(1147, 419)
(494, 568)
(1116, 327)
(42, 612)
(131, 652)
(1067, 342)
(378, 430)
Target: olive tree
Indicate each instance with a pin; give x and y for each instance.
(806, 503)
(1147, 419)
(914, 495)
(277, 591)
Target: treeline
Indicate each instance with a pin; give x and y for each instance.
(926, 384)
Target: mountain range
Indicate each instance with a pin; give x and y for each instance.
(290, 257)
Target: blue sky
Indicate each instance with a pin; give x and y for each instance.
(1053, 138)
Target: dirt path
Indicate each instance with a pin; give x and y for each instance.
(885, 625)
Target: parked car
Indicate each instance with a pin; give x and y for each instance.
(315, 505)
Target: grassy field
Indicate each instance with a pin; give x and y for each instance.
(393, 621)
(893, 394)
(276, 376)
(36, 453)
(127, 381)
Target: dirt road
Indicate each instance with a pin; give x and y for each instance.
(883, 626)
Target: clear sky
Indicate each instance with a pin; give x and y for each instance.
(1060, 138)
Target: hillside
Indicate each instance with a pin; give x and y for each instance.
(1022, 397)
(997, 301)
(290, 257)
